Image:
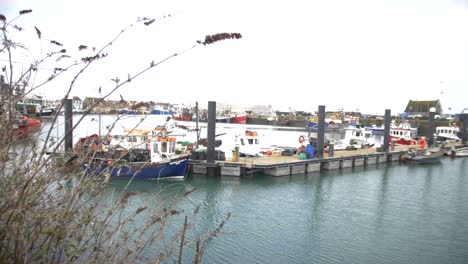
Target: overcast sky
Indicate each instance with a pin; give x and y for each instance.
(369, 55)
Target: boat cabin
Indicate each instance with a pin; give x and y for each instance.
(447, 133)
(355, 138)
(249, 143)
(156, 148)
(162, 148)
(360, 134)
(403, 130)
(133, 139)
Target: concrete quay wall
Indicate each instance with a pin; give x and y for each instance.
(291, 165)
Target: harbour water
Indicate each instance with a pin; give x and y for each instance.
(386, 213)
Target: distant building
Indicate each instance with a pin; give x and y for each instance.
(89, 102)
(77, 103)
(421, 108)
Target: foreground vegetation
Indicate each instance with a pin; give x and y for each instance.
(50, 211)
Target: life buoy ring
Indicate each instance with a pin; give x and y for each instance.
(301, 139)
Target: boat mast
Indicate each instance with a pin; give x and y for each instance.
(100, 98)
(116, 80)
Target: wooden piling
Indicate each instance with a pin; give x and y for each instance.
(464, 127)
(320, 131)
(387, 121)
(430, 137)
(68, 125)
(211, 133)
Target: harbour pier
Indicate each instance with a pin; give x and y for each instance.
(289, 165)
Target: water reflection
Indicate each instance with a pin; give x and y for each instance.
(381, 208)
(391, 210)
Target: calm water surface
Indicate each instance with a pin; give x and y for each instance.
(385, 213)
(393, 213)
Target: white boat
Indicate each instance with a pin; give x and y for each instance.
(458, 152)
(447, 133)
(249, 143)
(355, 138)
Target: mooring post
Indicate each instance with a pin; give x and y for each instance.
(211, 133)
(464, 127)
(430, 137)
(196, 125)
(320, 131)
(331, 148)
(387, 121)
(68, 125)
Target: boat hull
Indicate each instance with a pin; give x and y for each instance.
(183, 118)
(419, 156)
(175, 168)
(223, 119)
(422, 160)
(239, 119)
(403, 141)
(458, 152)
(377, 131)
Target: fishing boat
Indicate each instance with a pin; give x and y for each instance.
(249, 143)
(355, 138)
(403, 134)
(47, 110)
(32, 121)
(223, 119)
(447, 133)
(140, 156)
(24, 124)
(377, 130)
(331, 125)
(239, 118)
(238, 115)
(424, 156)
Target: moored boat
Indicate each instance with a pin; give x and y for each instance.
(126, 111)
(249, 143)
(238, 115)
(403, 134)
(32, 121)
(424, 156)
(239, 119)
(458, 151)
(47, 111)
(447, 133)
(377, 130)
(140, 156)
(355, 138)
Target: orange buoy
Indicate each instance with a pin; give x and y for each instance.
(422, 143)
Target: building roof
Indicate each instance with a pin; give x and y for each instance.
(423, 106)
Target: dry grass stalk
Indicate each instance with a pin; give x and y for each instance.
(50, 210)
